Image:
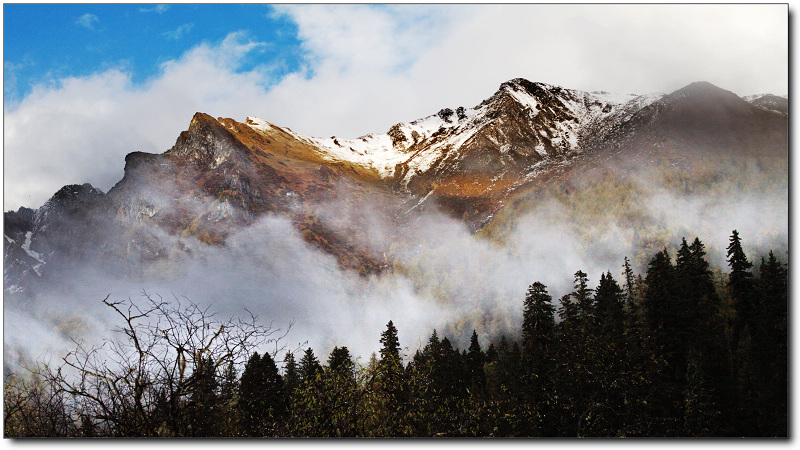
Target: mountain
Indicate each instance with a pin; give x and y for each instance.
(769, 102)
(704, 119)
(223, 175)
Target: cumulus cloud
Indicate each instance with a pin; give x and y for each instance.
(365, 68)
(87, 21)
(80, 130)
(451, 56)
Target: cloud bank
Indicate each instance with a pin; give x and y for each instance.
(444, 277)
(366, 67)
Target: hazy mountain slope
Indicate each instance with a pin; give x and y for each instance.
(485, 166)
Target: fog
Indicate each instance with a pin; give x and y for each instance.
(443, 276)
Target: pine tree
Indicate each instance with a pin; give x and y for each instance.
(474, 361)
(583, 298)
(391, 379)
(771, 348)
(391, 344)
(538, 334)
(538, 328)
(740, 280)
(504, 368)
(261, 396)
(629, 288)
(664, 322)
(426, 368)
(309, 366)
(568, 311)
(609, 307)
(708, 356)
(291, 376)
(340, 362)
(203, 411)
(449, 371)
(433, 349)
(228, 397)
(491, 353)
(659, 301)
(507, 378)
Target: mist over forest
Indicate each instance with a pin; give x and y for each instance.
(443, 276)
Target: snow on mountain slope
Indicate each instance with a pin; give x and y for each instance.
(519, 117)
(777, 103)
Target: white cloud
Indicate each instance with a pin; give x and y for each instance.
(87, 21)
(369, 68)
(81, 129)
(179, 32)
(158, 9)
(366, 68)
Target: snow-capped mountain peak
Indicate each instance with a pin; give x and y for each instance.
(521, 116)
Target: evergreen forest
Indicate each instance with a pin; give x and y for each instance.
(681, 350)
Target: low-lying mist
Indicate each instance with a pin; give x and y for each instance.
(442, 276)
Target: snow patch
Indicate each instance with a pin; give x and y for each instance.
(419, 202)
(524, 98)
(13, 289)
(27, 247)
(258, 124)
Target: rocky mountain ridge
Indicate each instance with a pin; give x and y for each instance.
(222, 175)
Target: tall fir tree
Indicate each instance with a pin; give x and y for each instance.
(538, 329)
(391, 343)
(771, 349)
(228, 397)
(203, 412)
(708, 354)
(391, 379)
(475, 359)
(609, 307)
(261, 396)
(291, 377)
(309, 366)
(341, 363)
(664, 322)
(567, 311)
(630, 282)
(538, 335)
(583, 298)
(741, 284)
(660, 303)
(450, 370)
(491, 353)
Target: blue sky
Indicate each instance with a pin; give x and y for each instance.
(46, 42)
(85, 84)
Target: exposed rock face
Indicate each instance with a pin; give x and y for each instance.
(18, 264)
(222, 175)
